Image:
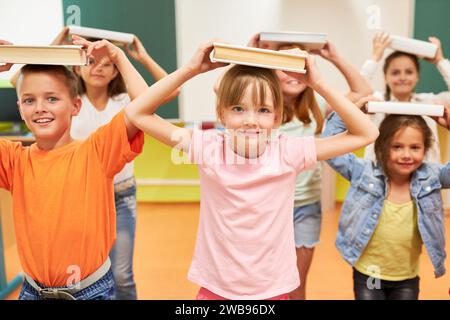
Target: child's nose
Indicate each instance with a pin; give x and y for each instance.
(250, 119)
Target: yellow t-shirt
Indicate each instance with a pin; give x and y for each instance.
(393, 251)
(63, 201)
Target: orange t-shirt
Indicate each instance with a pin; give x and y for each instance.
(63, 201)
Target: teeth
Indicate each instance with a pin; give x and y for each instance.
(43, 120)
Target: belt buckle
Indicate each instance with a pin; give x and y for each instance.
(53, 294)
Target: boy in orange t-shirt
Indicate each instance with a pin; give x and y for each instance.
(62, 190)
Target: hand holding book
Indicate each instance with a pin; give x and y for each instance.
(328, 52)
(200, 61)
(312, 78)
(100, 51)
(136, 50)
(380, 42)
(439, 53)
(61, 38)
(7, 66)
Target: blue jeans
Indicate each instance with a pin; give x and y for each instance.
(122, 252)
(103, 289)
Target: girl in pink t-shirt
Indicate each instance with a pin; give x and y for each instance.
(245, 243)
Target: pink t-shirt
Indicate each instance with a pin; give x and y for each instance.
(245, 245)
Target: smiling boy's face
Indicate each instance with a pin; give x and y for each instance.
(47, 107)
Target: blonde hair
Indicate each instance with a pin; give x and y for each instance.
(236, 80)
(304, 103)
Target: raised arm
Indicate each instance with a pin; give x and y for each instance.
(380, 42)
(101, 50)
(141, 110)
(360, 130)
(359, 87)
(138, 52)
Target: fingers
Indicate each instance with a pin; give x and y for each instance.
(5, 43)
(6, 67)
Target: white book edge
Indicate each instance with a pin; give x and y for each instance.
(269, 66)
(102, 34)
(413, 46)
(53, 47)
(313, 37)
(420, 109)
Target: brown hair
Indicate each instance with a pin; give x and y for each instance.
(387, 62)
(238, 78)
(70, 79)
(303, 104)
(115, 87)
(390, 126)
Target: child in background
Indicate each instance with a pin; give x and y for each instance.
(392, 207)
(103, 95)
(303, 116)
(401, 73)
(245, 243)
(62, 189)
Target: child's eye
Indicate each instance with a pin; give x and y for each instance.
(237, 109)
(264, 110)
(27, 101)
(91, 61)
(52, 99)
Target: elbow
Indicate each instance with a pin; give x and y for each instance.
(373, 134)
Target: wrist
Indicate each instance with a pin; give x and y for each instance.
(319, 86)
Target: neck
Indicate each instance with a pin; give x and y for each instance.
(404, 97)
(47, 145)
(98, 97)
(399, 180)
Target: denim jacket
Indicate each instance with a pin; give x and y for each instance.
(362, 206)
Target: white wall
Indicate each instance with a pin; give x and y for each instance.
(29, 22)
(236, 21)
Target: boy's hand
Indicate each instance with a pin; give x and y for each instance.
(6, 66)
(61, 38)
(101, 51)
(439, 53)
(312, 77)
(200, 62)
(137, 50)
(380, 42)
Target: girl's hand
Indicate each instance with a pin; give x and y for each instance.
(328, 52)
(444, 121)
(312, 78)
(101, 50)
(362, 103)
(439, 53)
(380, 42)
(6, 66)
(255, 42)
(200, 61)
(137, 50)
(61, 38)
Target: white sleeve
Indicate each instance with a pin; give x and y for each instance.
(369, 69)
(444, 68)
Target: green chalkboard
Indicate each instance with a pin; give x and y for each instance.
(432, 18)
(152, 21)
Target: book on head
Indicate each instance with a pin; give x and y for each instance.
(307, 40)
(413, 46)
(54, 55)
(421, 109)
(259, 57)
(113, 36)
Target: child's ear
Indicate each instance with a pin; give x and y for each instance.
(76, 106)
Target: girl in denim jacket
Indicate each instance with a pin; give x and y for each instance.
(394, 206)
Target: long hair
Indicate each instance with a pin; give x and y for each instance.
(387, 62)
(390, 126)
(304, 104)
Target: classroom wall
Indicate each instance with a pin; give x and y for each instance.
(18, 17)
